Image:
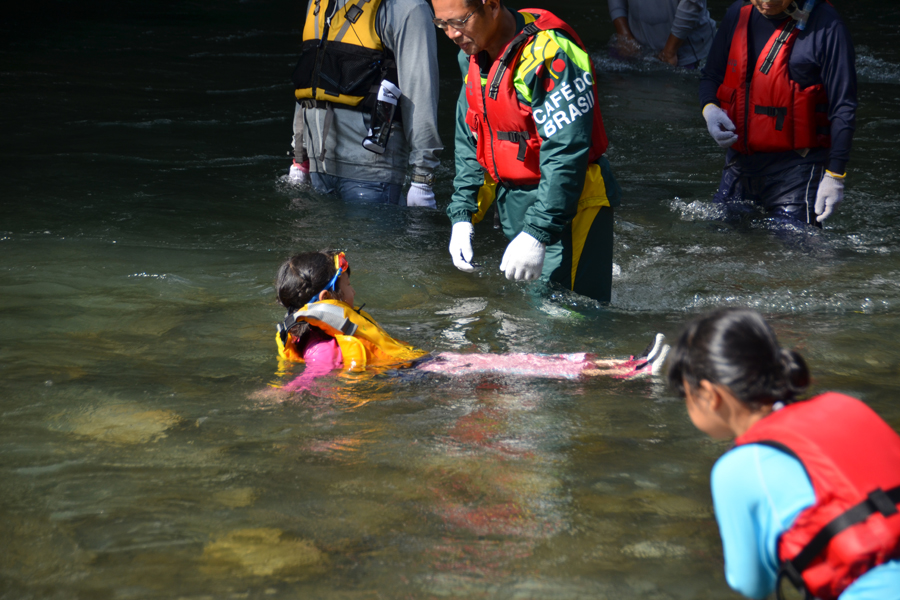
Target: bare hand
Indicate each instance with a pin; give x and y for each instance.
(627, 46)
(665, 57)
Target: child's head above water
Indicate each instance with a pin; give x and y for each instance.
(313, 276)
(736, 348)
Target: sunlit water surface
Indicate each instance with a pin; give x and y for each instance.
(144, 451)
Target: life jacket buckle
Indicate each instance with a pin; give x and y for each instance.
(519, 137)
(789, 571)
(353, 14)
(779, 112)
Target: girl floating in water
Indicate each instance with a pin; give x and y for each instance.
(323, 329)
(810, 490)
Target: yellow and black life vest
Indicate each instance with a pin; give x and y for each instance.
(342, 59)
(362, 341)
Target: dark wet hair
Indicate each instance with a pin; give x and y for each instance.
(735, 347)
(301, 277)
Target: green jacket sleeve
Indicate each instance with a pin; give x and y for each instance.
(553, 75)
(469, 174)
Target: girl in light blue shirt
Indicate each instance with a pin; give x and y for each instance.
(732, 373)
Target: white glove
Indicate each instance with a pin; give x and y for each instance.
(299, 172)
(720, 126)
(524, 258)
(830, 194)
(420, 194)
(461, 246)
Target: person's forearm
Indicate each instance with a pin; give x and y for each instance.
(626, 44)
(622, 28)
(713, 72)
(669, 53)
(469, 174)
(839, 77)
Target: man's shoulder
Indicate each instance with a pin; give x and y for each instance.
(734, 9)
(544, 42)
(825, 16)
(550, 44)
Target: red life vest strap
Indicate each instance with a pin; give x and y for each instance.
(878, 501)
(508, 55)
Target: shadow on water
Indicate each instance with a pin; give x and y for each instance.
(145, 452)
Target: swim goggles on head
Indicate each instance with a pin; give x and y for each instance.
(340, 266)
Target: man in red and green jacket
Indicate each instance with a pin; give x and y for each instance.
(530, 141)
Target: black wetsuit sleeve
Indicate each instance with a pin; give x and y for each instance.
(837, 60)
(713, 73)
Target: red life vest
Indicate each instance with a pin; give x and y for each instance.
(770, 111)
(508, 145)
(852, 458)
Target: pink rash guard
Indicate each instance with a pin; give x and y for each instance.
(553, 366)
(322, 354)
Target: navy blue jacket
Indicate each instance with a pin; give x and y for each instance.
(822, 53)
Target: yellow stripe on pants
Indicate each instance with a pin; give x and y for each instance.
(593, 198)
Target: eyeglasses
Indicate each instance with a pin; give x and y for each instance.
(454, 23)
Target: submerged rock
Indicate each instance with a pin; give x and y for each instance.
(236, 497)
(263, 551)
(654, 549)
(123, 424)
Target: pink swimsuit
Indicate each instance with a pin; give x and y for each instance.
(322, 355)
(554, 366)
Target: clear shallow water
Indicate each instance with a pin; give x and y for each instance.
(144, 453)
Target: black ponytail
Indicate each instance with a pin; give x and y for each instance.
(736, 348)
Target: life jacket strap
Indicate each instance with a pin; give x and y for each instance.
(352, 13)
(780, 41)
(283, 331)
(790, 574)
(329, 314)
(779, 112)
(520, 137)
(878, 501)
(329, 119)
(507, 57)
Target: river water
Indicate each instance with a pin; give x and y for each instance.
(143, 450)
